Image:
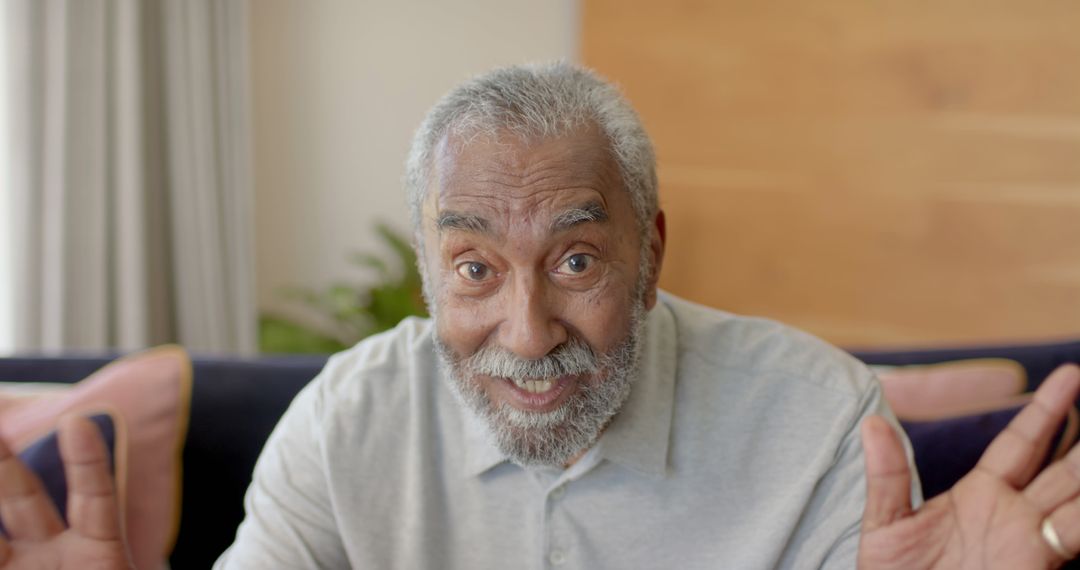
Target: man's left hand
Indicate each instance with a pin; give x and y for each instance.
(993, 517)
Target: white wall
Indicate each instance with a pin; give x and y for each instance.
(338, 88)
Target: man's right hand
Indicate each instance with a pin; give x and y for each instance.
(37, 537)
(994, 516)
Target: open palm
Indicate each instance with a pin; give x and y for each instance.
(992, 518)
(37, 537)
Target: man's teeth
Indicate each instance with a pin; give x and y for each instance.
(535, 386)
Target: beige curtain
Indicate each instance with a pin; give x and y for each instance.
(131, 188)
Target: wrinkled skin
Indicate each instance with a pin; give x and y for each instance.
(508, 274)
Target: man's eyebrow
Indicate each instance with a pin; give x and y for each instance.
(449, 220)
(592, 212)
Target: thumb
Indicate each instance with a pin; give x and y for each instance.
(888, 477)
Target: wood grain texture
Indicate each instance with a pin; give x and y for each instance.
(878, 173)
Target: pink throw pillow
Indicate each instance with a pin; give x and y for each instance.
(922, 393)
(149, 393)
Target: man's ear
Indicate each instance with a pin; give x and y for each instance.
(658, 237)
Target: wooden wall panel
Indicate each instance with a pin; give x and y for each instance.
(879, 173)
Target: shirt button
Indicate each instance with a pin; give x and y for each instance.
(558, 492)
(557, 557)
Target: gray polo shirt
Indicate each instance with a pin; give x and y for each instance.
(738, 448)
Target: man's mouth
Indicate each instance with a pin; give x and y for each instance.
(535, 386)
(538, 394)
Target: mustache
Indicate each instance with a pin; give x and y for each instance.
(571, 358)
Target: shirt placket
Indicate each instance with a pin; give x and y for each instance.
(556, 542)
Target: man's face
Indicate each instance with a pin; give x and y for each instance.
(534, 267)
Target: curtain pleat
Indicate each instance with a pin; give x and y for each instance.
(132, 190)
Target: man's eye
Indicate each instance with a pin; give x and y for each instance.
(473, 271)
(577, 263)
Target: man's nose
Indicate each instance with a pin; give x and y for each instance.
(533, 326)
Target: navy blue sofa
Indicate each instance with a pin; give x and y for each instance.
(236, 403)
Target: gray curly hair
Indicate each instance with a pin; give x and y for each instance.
(538, 101)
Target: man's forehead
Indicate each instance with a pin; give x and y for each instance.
(561, 220)
(553, 173)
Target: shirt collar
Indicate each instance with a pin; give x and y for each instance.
(480, 452)
(639, 434)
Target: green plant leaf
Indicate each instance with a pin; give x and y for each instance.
(356, 310)
(280, 335)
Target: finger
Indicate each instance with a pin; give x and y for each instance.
(1057, 484)
(888, 477)
(5, 551)
(92, 507)
(1066, 523)
(1018, 451)
(27, 511)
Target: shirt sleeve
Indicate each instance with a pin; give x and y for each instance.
(840, 496)
(289, 521)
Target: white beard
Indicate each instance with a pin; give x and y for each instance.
(550, 438)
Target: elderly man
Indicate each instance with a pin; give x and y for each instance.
(558, 410)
